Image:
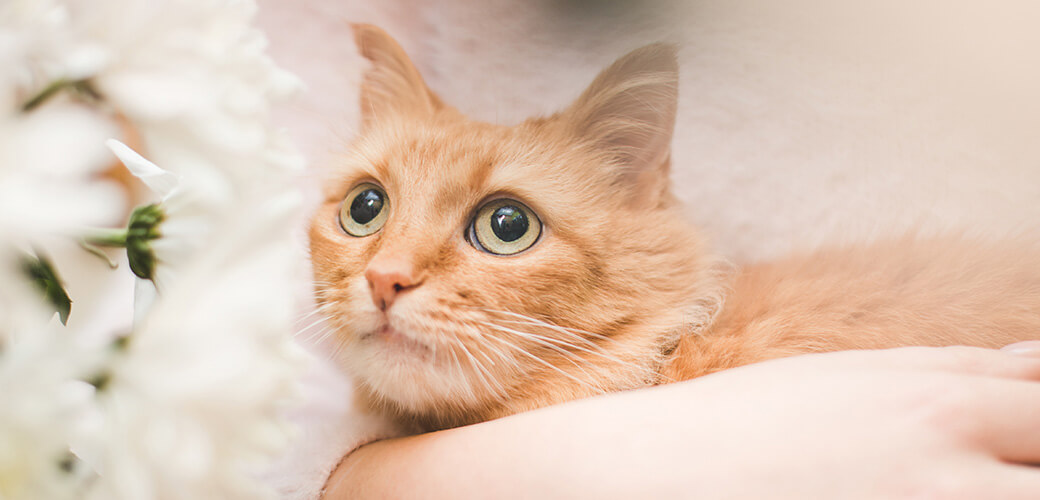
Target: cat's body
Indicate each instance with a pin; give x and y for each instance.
(908, 291)
(473, 271)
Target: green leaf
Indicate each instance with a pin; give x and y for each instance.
(41, 271)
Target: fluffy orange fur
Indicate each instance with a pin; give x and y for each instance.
(618, 292)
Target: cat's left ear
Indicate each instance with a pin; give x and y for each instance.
(628, 114)
(392, 87)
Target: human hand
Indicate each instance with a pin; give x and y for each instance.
(912, 422)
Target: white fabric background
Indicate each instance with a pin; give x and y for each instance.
(801, 122)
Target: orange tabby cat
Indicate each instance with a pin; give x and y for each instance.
(473, 271)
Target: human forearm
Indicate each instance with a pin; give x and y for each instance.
(878, 423)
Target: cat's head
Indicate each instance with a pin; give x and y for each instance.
(464, 264)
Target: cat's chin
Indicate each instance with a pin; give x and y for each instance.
(411, 374)
(398, 345)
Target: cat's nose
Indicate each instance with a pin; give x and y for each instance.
(387, 279)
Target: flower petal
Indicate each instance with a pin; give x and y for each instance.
(158, 180)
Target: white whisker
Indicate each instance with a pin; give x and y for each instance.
(489, 381)
(548, 365)
(572, 334)
(326, 333)
(317, 310)
(312, 325)
(570, 330)
(542, 341)
(595, 351)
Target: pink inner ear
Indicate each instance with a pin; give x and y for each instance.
(628, 112)
(393, 85)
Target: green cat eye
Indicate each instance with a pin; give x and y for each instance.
(364, 210)
(505, 227)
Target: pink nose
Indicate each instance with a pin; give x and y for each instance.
(387, 279)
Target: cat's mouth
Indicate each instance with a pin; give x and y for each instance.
(398, 342)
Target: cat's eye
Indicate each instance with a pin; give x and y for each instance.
(364, 210)
(505, 227)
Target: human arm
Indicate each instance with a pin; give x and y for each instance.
(881, 424)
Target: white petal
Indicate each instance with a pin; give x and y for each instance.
(161, 181)
(144, 297)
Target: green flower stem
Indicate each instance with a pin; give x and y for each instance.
(47, 92)
(105, 237)
(99, 253)
(81, 87)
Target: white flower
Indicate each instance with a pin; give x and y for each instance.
(49, 160)
(191, 77)
(193, 405)
(42, 398)
(189, 213)
(49, 157)
(33, 429)
(39, 44)
(195, 81)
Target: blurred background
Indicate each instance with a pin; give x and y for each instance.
(801, 122)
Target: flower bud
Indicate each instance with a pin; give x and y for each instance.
(143, 228)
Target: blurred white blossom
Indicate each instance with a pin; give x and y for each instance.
(190, 212)
(35, 420)
(186, 404)
(48, 165)
(192, 403)
(42, 397)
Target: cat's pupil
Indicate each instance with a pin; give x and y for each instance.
(509, 223)
(366, 206)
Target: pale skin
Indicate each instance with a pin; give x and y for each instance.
(902, 423)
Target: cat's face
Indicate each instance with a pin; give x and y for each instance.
(460, 262)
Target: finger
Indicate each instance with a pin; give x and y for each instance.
(1000, 417)
(1027, 348)
(1013, 482)
(957, 359)
(975, 478)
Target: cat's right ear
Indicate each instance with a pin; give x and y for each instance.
(392, 87)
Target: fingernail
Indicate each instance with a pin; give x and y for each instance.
(1027, 348)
